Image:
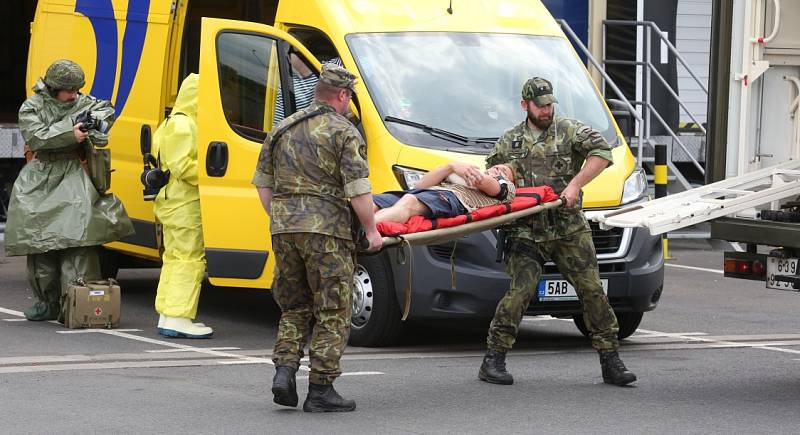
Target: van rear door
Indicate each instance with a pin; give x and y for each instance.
(242, 66)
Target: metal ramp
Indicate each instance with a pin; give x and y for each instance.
(701, 204)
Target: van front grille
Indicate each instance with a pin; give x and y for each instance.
(606, 241)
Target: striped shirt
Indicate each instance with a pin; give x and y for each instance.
(303, 95)
(473, 199)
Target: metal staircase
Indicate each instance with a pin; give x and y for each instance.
(643, 111)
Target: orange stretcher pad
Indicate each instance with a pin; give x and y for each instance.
(422, 231)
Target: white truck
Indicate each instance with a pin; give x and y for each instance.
(753, 155)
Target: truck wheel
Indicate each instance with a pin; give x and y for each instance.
(376, 315)
(628, 323)
(109, 262)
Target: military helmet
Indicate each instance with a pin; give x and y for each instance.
(539, 90)
(64, 74)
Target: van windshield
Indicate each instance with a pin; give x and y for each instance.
(461, 91)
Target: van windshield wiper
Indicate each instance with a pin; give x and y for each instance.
(442, 134)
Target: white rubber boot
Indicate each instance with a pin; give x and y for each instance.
(162, 317)
(181, 327)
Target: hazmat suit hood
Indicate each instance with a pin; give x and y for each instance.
(186, 101)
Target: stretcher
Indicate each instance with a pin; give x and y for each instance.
(423, 231)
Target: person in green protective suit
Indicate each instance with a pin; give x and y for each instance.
(177, 207)
(56, 216)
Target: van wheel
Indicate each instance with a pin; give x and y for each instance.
(109, 262)
(628, 323)
(376, 316)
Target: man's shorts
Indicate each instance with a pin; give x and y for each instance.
(440, 203)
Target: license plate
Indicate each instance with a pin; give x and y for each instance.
(561, 290)
(780, 266)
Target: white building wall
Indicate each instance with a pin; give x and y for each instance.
(693, 41)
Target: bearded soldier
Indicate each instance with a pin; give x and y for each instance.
(548, 150)
(56, 216)
(310, 165)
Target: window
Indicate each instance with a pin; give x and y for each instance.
(249, 82)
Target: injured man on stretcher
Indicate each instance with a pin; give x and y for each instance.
(447, 191)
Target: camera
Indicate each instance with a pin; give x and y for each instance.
(153, 177)
(92, 123)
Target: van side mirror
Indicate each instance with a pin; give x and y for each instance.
(145, 139)
(623, 117)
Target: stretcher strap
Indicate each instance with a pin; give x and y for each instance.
(407, 304)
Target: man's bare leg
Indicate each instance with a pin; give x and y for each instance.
(402, 210)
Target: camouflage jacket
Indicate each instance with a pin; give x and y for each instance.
(53, 203)
(552, 159)
(313, 168)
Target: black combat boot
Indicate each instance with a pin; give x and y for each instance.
(493, 369)
(323, 398)
(284, 387)
(614, 371)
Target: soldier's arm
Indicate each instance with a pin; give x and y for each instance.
(40, 135)
(354, 171)
(589, 142)
(263, 178)
(353, 167)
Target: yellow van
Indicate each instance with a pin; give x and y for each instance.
(439, 82)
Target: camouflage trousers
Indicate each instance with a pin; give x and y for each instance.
(51, 272)
(577, 261)
(313, 286)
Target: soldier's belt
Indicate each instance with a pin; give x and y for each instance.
(52, 156)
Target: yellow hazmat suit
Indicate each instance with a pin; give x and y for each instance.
(177, 207)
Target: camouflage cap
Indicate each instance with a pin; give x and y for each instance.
(337, 76)
(64, 74)
(539, 90)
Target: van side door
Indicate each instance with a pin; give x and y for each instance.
(243, 68)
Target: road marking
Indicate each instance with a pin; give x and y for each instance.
(93, 331)
(12, 312)
(15, 320)
(191, 350)
(702, 269)
(352, 374)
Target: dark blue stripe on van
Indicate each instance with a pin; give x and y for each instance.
(101, 15)
(132, 46)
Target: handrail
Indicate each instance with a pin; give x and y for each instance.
(666, 40)
(607, 79)
(775, 29)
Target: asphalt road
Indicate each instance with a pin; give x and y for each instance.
(717, 356)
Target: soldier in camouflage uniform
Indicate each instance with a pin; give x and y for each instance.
(313, 162)
(56, 217)
(548, 150)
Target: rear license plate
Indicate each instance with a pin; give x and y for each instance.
(561, 290)
(780, 266)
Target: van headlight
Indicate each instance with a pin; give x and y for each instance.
(635, 186)
(407, 177)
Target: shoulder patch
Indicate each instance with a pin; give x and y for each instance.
(362, 151)
(516, 144)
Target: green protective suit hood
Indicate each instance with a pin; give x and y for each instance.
(177, 207)
(53, 202)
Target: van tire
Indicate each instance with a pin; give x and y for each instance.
(376, 315)
(628, 323)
